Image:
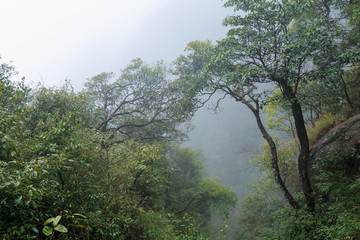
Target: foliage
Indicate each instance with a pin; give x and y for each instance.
(187, 170)
(13, 95)
(30, 170)
(283, 45)
(222, 198)
(338, 183)
(141, 104)
(336, 216)
(278, 116)
(98, 164)
(264, 199)
(56, 170)
(62, 179)
(61, 100)
(287, 153)
(257, 210)
(189, 194)
(52, 224)
(322, 125)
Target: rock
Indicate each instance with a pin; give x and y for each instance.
(337, 150)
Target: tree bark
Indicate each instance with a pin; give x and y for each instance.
(274, 157)
(274, 161)
(346, 93)
(304, 145)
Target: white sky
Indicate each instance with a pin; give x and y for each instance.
(50, 40)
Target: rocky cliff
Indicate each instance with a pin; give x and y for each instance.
(337, 152)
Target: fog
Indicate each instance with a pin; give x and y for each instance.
(99, 137)
(229, 139)
(53, 41)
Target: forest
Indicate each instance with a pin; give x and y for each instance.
(111, 162)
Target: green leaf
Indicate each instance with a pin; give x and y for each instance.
(35, 229)
(49, 220)
(18, 200)
(61, 228)
(56, 220)
(47, 230)
(80, 215)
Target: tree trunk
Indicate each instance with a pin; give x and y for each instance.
(274, 163)
(304, 145)
(272, 145)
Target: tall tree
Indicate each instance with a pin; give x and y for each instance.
(271, 46)
(141, 98)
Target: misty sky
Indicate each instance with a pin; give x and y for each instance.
(49, 41)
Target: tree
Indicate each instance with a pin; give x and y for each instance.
(188, 192)
(272, 46)
(13, 95)
(208, 79)
(62, 101)
(57, 174)
(141, 104)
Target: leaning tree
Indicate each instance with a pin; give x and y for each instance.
(271, 44)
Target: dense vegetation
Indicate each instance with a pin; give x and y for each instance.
(105, 163)
(100, 164)
(297, 61)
